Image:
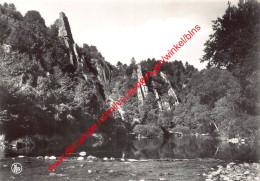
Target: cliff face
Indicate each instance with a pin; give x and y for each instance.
(104, 72)
(65, 33)
(57, 84)
(76, 58)
(163, 104)
(171, 91)
(143, 90)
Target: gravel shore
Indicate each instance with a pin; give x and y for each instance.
(235, 171)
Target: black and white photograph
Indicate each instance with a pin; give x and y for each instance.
(130, 90)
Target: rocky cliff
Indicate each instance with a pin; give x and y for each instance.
(55, 86)
(143, 90)
(171, 91)
(162, 103)
(76, 58)
(50, 85)
(65, 33)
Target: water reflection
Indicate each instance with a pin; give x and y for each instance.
(177, 148)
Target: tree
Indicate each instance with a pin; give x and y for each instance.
(34, 17)
(212, 100)
(133, 61)
(5, 5)
(235, 41)
(119, 64)
(10, 11)
(235, 45)
(150, 109)
(12, 6)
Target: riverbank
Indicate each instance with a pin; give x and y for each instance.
(102, 169)
(235, 171)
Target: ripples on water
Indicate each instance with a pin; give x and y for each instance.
(178, 148)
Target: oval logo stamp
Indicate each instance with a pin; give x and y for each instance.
(16, 168)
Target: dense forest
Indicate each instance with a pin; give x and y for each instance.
(51, 87)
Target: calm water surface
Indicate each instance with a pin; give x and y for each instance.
(187, 147)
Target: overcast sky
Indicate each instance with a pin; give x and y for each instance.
(122, 29)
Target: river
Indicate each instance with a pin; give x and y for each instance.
(179, 158)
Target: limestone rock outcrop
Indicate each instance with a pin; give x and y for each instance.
(65, 33)
(143, 90)
(171, 91)
(104, 72)
(76, 58)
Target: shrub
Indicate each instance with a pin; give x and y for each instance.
(182, 129)
(23, 142)
(149, 130)
(245, 127)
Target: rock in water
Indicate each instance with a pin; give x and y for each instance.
(90, 157)
(83, 153)
(80, 158)
(52, 157)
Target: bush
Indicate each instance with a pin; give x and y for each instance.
(149, 130)
(182, 129)
(36, 140)
(245, 127)
(23, 142)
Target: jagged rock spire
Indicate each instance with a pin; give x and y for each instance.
(76, 58)
(66, 35)
(64, 27)
(143, 91)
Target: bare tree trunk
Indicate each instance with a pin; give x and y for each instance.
(216, 126)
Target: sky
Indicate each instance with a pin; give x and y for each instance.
(122, 29)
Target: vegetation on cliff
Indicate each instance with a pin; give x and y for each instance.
(41, 91)
(51, 86)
